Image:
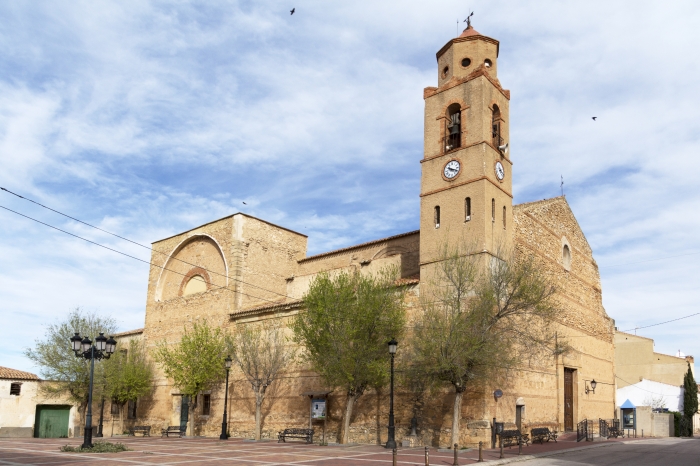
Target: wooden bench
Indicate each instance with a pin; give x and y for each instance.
(305, 434)
(145, 431)
(180, 431)
(510, 438)
(541, 434)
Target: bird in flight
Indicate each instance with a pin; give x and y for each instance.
(594, 118)
(244, 203)
(291, 12)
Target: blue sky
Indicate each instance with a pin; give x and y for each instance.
(149, 118)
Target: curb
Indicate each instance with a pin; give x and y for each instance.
(557, 452)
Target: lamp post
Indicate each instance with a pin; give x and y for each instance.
(102, 349)
(224, 435)
(391, 443)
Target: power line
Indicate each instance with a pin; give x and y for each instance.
(661, 323)
(139, 244)
(130, 256)
(649, 260)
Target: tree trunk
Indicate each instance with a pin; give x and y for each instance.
(456, 415)
(350, 403)
(258, 414)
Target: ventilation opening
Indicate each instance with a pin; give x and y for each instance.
(466, 62)
(206, 405)
(445, 70)
(504, 217)
(453, 130)
(437, 216)
(493, 210)
(131, 410)
(467, 209)
(15, 389)
(566, 257)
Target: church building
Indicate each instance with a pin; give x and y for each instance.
(242, 269)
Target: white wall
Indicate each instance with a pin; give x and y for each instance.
(640, 394)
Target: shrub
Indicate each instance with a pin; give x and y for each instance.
(97, 447)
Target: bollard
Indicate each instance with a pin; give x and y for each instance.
(455, 462)
(481, 455)
(520, 447)
(642, 433)
(393, 454)
(427, 457)
(501, 449)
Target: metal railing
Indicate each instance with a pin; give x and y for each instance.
(584, 431)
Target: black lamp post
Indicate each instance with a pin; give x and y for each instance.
(391, 443)
(224, 435)
(102, 349)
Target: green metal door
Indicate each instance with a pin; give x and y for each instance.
(51, 421)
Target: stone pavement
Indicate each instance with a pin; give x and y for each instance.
(201, 451)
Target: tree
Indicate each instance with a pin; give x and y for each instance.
(690, 400)
(348, 320)
(128, 374)
(481, 319)
(196, 362)
(57, 361)
(261, 353)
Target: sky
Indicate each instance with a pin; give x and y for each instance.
(149, 118)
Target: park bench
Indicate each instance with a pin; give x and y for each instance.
(180, 431)
(540, 434)
(305, 434)
(510, 438)
(145, 431)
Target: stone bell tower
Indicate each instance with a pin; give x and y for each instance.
(466, 185)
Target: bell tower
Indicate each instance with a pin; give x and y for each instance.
(466, 184)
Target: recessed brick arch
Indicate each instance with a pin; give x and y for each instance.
(172, 263)
(192, 273)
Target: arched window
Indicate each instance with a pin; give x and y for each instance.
(467, 209)
(453, 130)
(504, 217)
(496, 121)
(493, 210)
(437, 216)
(566, 257)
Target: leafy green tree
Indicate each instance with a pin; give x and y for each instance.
(482, 318)
(348, 320)
(58, 363)
(196, 362)
(260, 350)
(690, 400)
(128, 374)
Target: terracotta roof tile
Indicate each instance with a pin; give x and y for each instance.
(129, 332)
(470, 31)
(7, 373)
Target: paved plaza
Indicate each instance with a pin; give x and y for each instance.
(201, 451)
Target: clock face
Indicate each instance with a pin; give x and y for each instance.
(500, 173)
(451, 169)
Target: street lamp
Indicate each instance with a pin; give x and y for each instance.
(83, 348)
(224, 436)
(391, 443)
(593, 385)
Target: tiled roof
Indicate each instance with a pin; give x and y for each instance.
(128, 332)
(470, 31)
(361, 245)
(7, 373)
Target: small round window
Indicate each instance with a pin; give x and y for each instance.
(488, 63)
(445, 71)
(466, 62)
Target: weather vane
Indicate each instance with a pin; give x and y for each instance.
(469, 20)
(562, 185)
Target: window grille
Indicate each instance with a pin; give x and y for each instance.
(15, 388)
